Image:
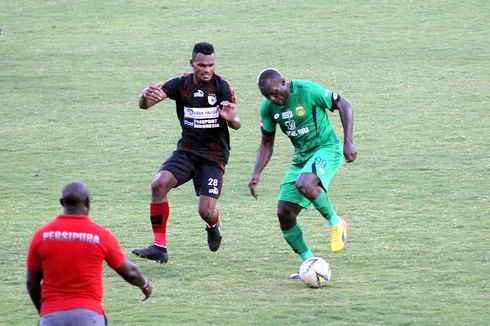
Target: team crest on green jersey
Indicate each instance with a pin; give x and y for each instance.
(300, 111)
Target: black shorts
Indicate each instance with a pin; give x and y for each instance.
(207, 176)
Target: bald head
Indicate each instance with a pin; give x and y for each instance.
(75, 198)
(268, 76)
(273, 86)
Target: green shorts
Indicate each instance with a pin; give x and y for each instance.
(324, 163)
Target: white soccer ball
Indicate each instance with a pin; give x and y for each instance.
(315, 272)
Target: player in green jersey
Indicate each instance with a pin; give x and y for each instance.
(299, 108)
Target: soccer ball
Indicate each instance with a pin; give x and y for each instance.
(315, 272)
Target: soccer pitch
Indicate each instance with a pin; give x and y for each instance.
(416, 199)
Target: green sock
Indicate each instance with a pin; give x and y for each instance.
(324, 206)
(294, 237)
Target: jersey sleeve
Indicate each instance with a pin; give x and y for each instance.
(321, 96)
(171, 88)
(33, 261)
(226, 92)
(268, 124)
(114, 254)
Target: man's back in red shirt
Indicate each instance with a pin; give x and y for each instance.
(70, 251)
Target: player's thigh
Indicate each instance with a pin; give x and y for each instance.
(324, 164)
(164, 180)
(208, 180)
(288, 191)
(180, 166)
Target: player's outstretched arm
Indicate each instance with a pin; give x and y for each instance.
(264, 153)
(347, 117)
(131, 273)
(151, 95)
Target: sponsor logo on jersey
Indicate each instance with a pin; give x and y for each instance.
(201, 113)
(276, 116)
(206, 123)
(188, 112)
(303, 131)
(300, 111)
(201, 117)
(290, 124)
(212, 99)
(287, 115)
(299, 132)
(199, 93)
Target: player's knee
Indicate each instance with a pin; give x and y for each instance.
(286, 220)
(302, 187)
(157, 187)
(307, 189)
(284, 214)
(206, 212)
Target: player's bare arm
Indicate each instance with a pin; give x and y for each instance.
(131, 273)
(228, 111)
(264, 153)
(347, 118)
(33, 282)
(151, 95)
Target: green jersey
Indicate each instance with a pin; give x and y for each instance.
(303, 118)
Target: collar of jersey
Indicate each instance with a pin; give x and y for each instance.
(73, 216)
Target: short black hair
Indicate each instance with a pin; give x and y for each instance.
(202, 47)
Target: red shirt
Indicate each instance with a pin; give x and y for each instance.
(70, 251)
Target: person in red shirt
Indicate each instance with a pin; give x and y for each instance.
(64, 264)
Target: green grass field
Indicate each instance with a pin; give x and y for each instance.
(417, 198)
